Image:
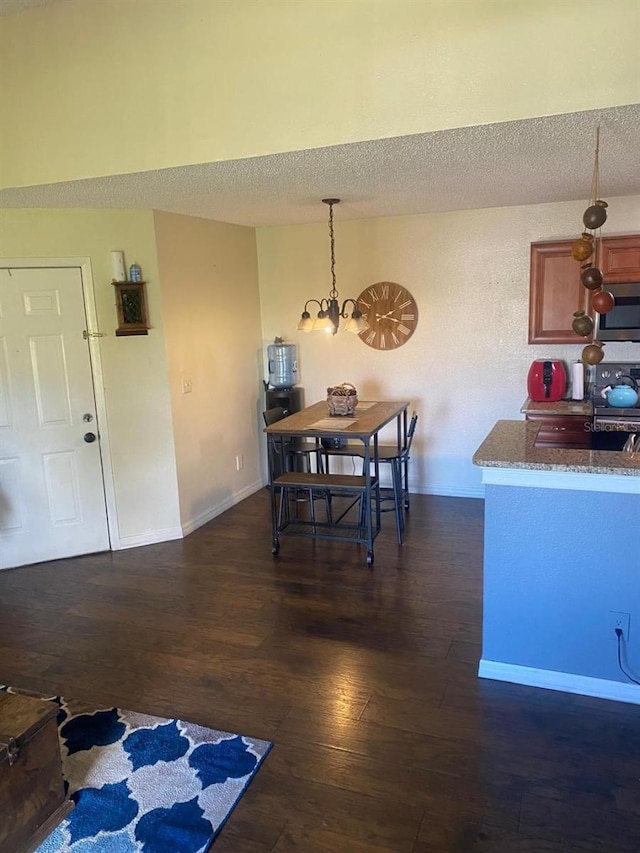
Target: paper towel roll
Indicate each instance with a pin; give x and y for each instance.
(577, 380)
(118, 269)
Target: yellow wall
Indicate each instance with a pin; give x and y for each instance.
(466, 364)
(128, 85)
(134, 368)
(211, 310)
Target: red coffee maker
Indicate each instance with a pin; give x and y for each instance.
(547, 380)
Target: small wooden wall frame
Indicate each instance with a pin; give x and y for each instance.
(131, 303)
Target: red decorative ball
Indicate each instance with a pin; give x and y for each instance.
(602, 301)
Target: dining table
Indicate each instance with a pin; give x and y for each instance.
(362, 428)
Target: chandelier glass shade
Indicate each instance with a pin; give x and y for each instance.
(329, 309)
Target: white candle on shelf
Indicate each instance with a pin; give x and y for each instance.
(118, 269)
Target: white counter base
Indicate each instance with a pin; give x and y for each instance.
(536, 479)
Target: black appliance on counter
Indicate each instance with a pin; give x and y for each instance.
(612, 426)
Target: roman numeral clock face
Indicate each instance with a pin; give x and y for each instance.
(392, 315)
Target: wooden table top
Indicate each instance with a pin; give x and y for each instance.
(368, 418)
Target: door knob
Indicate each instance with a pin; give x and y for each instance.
(89, 437)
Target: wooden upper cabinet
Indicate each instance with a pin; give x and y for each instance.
(620, 259)
(555, 293)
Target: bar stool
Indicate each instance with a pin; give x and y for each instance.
(295, 457)
(398, 460)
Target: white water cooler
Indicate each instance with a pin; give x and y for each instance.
(283, 364)
(280, 390)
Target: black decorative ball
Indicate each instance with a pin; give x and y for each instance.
(596, 215)
(591, 277)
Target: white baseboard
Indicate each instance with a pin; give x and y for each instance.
(167, 534)
(211, 513)
(566, 682)
(448, 491)
(151, 537)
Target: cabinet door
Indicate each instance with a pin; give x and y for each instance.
(620, 261)
(555, 293)
(562, 430)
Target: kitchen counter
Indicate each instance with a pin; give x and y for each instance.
(561, 545)
(511, 444)
(583, 408)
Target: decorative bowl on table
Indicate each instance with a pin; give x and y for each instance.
(342, 399)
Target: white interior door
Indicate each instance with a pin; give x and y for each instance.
(52, 501)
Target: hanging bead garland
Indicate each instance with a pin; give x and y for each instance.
(587, 248)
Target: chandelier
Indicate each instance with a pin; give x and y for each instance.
(330, 312)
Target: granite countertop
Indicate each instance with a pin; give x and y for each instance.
(510, 444)
(583, 408)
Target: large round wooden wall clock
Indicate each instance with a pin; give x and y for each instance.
(392, 315)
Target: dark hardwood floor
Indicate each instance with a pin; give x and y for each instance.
(385, 739)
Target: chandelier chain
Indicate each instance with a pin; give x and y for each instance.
(333, 293)
(330, 312)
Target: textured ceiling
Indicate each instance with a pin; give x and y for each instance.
(533, 161)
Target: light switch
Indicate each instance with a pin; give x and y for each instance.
(187, 386)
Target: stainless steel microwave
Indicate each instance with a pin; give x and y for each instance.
(622, 323)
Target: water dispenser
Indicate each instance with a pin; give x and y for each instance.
(283, 364)
(283, 374)
(280, 390)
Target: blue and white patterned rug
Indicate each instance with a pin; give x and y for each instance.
(145, 784)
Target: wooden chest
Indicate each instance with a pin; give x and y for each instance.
(32, 800)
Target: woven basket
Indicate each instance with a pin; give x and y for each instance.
(342, 399)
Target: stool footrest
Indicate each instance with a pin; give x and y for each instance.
(333, 482)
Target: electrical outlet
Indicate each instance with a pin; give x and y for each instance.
(239, 462)
(187, 386)
(619, 620)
